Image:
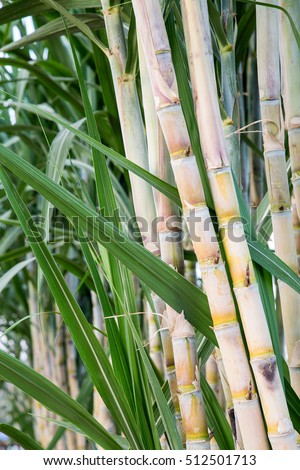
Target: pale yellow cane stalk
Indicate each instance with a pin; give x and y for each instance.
(296, 226)
(267, 20)
(290, 66)
(188, 382)
(164, 87)
(280, 429)
(230, 414)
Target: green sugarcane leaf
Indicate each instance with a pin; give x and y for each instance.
(22, 8)
(252, 145)
(83, 27)
(9, 238)
(25, 441)
(293, 402)
(246, 27)
(55, 28)
(8, 275)
(51, 85)
(268, 260)
(14, 254)
(215, 20)
(54, 399)
(76, 269)
(162, 279)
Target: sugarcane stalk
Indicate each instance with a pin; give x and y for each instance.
(213, 379)
(290, 66)
(296, 226)
(188, 383)
(230, 412)
(164, 88)
(263, 361)
(267, 20)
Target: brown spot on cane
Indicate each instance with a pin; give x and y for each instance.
(281, 208)
(249, 392)
(187, 151)
(231, 415)
(217, 257)
(211, 434)
(268, 370)
(247, 277)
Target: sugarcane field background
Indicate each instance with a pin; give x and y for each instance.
(150, 224)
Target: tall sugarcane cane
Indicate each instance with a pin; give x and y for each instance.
(290, 66)
(170, 239)
(197, 30)
(164, 87)
(267, 20)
